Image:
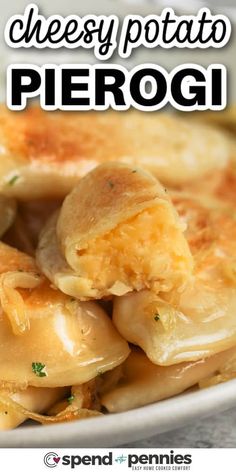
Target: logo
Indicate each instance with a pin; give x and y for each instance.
(51, 459)
(121, 459)
(159, 460)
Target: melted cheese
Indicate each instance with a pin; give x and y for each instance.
(138, 253)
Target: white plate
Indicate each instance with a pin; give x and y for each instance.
(120, 428)
(114, 430)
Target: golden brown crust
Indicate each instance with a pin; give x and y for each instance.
(50, 151)
(108, 195)
(36, 135)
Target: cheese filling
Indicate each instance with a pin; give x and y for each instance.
(148, 250)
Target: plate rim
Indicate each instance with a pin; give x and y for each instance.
(133, 425)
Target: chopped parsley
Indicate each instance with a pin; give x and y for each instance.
(13, 180)
(134, 171)
(70, 399)
(37, 368)
(156, 317)
(111, 184)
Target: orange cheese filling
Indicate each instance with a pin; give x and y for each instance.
(147, 251)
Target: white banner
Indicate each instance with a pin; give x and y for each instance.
(147, 460)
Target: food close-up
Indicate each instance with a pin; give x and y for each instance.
(117, 260)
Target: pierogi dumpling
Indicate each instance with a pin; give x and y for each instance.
(37, 400)
(199, 320)
(140, 382)
(44, 154)
(48, 339)
(202, 324)
(117, 231)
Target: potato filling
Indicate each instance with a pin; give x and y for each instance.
(148, 250)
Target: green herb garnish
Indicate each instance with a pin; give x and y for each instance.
(13, 180)
(37, 368)
(70, 399)
(134, 171)
(156, 317)
(110, 183)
